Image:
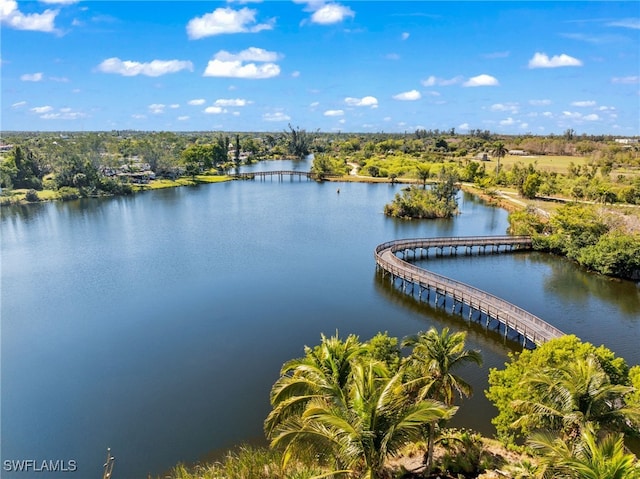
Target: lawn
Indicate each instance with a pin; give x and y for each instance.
(559, 164)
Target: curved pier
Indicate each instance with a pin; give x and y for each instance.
(513, 318)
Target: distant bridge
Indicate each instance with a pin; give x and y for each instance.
(507, 315)
(280, 174)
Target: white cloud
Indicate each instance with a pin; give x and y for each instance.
(574, 115)
(295, 74)
(435, 81)
(59, 79)
(174, 105)
(542, 60)
(42, 109)
(156, 108)
(235, 69)
(154, 68)
(510, 107)
(197, 102)
(277, 116)
(226, 20)
(405, 35)
(138, 116)
(331, 13)
(31, 77)
(60, 2)
(481, 80)
(14, 18)
(509, 121)
(19, 104)
(231, 102)
(463, 126)
(370, 101)
(633, 23)
(251, 54)
(333, 113)
(630, 80)
(539, 102)
(183, 118)
(585, 103)
(64, 114)
(225, 64)
(411, 95)
(214, 110)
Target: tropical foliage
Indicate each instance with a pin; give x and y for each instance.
(437, 202)
(351, 406)
(585, 235)
(591, 456)
(561, 387)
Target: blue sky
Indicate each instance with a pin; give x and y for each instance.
(508, 67)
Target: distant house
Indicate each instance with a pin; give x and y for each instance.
(626, 141)
(518, 152)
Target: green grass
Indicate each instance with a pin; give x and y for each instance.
(559, 164)
(182, 181)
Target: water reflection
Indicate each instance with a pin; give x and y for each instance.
(440, 317)
(572, 284)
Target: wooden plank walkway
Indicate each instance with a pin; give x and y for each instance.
(510, 316)
(280, 174)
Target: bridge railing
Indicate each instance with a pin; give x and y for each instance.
(412, 243)
(513, 315)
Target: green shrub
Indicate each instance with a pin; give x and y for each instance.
(67, 193)
(32, 196)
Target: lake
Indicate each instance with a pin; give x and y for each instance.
(156, 324)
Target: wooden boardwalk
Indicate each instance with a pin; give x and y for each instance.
(279, 174)
(507, 315)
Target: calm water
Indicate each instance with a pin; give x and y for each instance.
(156, 324)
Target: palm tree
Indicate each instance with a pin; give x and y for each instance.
(588, 458)
(499, 151)
(323, 372)
(569, 397)
(360, 435)
(430, 368)
(424, 171)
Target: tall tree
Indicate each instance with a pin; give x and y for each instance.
(342, 406)
(431, 371)
(299, 142)
(499, 151)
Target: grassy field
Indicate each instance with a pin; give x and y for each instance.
(559, 164)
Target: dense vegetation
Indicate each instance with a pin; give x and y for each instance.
(583, 233)
(347, 407)
(54, 165)
(38, 166)
(437, 202)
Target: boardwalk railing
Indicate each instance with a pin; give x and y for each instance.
(512, 317)
(280, 174)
